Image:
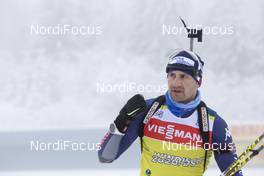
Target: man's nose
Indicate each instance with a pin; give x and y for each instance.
(177, 81)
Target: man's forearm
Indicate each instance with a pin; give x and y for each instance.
(109, 148)
(224, 160)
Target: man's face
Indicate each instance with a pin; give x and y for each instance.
(182, 86)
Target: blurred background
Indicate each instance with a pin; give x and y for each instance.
(66, 85)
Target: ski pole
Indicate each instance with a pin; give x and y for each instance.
(242, 159)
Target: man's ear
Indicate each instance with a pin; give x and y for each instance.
(199, 83)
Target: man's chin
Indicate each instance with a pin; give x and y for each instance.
(177, 98)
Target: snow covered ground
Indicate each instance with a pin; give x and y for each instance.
(210, 172)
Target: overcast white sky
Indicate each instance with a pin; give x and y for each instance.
(51, 80)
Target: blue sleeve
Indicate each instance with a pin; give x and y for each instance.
(121, 143)
(226, 153)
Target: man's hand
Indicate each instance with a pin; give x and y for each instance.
(132, 108)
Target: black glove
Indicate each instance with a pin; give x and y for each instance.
(132, 108)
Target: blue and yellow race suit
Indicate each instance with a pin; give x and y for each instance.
(173, 145)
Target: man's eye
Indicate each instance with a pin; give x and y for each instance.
(172, 75)
(183, 76)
